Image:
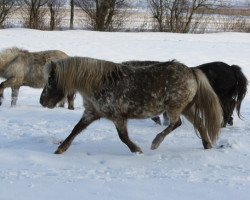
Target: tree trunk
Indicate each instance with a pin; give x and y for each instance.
(71, 24)
(52, 17)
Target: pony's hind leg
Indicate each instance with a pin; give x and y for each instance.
(198, 124)
(14, 95)
(81, 125)
(121, 127)
(175, 122)
(228, 108)
(166, 119)
(8, 83)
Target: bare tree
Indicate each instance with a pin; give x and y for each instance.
(72, 13)
(177, 15)
(104, 15)
(158, 9)
(35, 13)
(5, 9)
(55, 12)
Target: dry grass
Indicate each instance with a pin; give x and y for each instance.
(228, 11)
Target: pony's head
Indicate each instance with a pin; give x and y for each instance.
(51, 93)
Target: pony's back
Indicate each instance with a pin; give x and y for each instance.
(7, 56)
(137, 63)
(220, 76)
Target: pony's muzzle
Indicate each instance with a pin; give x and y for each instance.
(47, 105)
(42, 102)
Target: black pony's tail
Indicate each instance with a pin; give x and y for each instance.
(240, 88)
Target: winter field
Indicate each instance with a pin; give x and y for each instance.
(98, 166)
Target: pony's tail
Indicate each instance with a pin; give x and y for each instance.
(240, 88)
(207, 106)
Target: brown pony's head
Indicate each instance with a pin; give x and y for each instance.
(51, 94)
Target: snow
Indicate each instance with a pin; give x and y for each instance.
(98, 165)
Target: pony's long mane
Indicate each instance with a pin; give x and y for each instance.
(82, 73)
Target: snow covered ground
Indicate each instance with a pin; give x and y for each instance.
(98, 166)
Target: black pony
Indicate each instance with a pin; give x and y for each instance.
(228, 82)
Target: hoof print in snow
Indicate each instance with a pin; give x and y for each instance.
(224, 145)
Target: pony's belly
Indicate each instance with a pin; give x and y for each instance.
(34, 84)
(144, 114)
(129, 109)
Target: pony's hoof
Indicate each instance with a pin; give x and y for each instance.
(156, 142)
(230, 121)
(59, 151)
(138, 153)
(207, 145)
(137, 150)
(154, 146)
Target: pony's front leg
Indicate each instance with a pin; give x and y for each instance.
(14, 95)
(160, 137)
(121, 127)
(70, 98)
(81, 125)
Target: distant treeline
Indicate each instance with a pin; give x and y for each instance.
(181, 16)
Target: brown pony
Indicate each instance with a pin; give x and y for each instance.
(23, 68)
(118, 93)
